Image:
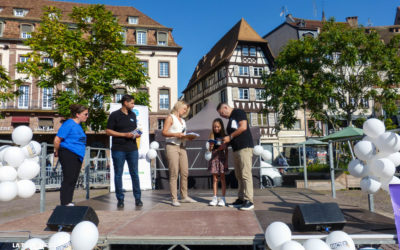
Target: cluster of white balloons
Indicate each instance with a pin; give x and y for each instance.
(266, 155)
(152, 153)
(84, 236)
(18, 165)
(279, 237)
(378, 155)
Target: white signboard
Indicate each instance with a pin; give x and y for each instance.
(142, 117)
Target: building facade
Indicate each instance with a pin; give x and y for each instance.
(157, 51)
(232, 72)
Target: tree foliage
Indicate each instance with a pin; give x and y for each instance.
(334, 75)
(6, 86)
(83, 61)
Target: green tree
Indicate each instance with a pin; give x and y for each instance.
(6, 86)
(333, 75)
(88, 57)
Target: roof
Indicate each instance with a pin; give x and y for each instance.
(35, 8)
(346, 133)
(386, 32)
(223, 49)
(311, 142)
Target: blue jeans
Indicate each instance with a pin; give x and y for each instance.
(132, 158)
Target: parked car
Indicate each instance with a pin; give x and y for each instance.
(270, 176)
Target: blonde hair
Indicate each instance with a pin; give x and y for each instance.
(178, 105)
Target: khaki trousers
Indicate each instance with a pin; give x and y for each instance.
(243, 163)
(177, 163)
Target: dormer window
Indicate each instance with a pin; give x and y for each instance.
(53, 16)
(162, 38)
(133, 20)
(26, 30)
(20, 12)
(141, 37)
(87, 19)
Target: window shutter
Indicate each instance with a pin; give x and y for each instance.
(235, 93)
(162, 36)
(236, 70)
(26, 28)
(251, 68)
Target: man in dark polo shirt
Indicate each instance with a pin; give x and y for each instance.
(241, 141)
(120, 126)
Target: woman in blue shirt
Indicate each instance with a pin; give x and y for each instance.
(69, 146)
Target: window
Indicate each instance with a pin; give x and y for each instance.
(160, 123)
(260, 94)
(23, 59)
(262, 119)
(253, 51)
(119, 94)
(258, 71)
(49, 61)
(133, 20)
(162, 38)
(26, 30)
(353, 102)
(245, 51)
(23, 99)
(46, 124)
(145, 65)
(364, 103)
(141, 37)
(123, 34)
(1, 28)
(47, 98)
(53, 16)
(199, 87)
(164, 99)
(20, 12)
(198, 107)
(297, 125)
(243, 70)
(223, 95)
(163, 69)
(243, 94)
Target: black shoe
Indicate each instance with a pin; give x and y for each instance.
(120, 204)
(139, 203)
(247, 205)
(237, 204)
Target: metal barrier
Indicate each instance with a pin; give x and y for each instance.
(95, 171)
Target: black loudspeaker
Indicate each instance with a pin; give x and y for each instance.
(317, 217)
(67, 217)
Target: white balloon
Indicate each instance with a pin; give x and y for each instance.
(315, 244)
(26, 188)
(257, 150)
(35, 159)
(383, 168)
(291, 245)
(207, 146)
(395, 158)
(266, 155)
(388, 142)
(60, 240)
(373, 127)
(14, 156)
(386, 183)
(357, 169)
(2, 150)
(340, 240)
(364, 150)
(369, 138)
(151, 154)
(8, 190)
(34, 244)
(208, 155)
(370, 185)
(28, 170)
(32, 149)
(154, 145)
(22, 135)
(276, 234)
(84, 236)
(8, 173)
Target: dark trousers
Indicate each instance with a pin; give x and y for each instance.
(119, 158)
(71, 166)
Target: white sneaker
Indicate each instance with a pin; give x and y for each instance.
(221, 202)
(188, 200)
(176, 204)
(214, 201)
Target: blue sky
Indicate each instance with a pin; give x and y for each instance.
(198, 25)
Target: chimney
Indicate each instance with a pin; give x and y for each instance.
(397, 19)
(352, 21)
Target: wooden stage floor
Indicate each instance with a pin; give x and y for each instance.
(158, 223)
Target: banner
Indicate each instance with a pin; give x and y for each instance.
(395, 197)
(142, 118)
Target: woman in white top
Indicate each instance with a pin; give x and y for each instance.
(175, 130)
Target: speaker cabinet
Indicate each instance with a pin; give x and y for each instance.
(67, 217)
(318, 217)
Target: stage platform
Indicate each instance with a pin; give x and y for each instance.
(158, 223)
